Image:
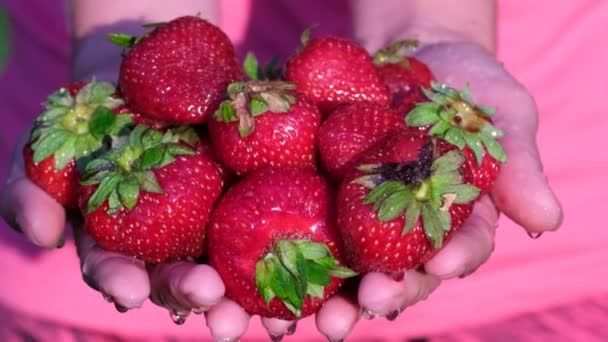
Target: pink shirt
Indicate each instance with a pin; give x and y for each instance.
(560, 58)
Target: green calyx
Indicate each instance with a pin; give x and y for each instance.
(396, 53)
(254, 71)
(254, 98)
(124, 171)
(73, 127)
(423, 189)
(455, 118)
(294, 269)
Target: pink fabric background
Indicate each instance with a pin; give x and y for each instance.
(560, 56)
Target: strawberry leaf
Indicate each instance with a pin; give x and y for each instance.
(394, 205)
(435, 223)
(105, 188)
(101, 122)
(494, 148)
(151, 158)
(49, 144)
(64, 154)
(128, 191)
(342, 272)
(315, 291)
(295, 269)
(423, 114)
(263, 270)
(257, 107)
(455, 137)
(474, 143)
(148, 182)
(122, 40)
(252, 67)
(317, 274)
(412, 214)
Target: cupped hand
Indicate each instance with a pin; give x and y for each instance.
(521, 192)
(181, 287)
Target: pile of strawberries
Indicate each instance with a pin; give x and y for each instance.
(287, 180)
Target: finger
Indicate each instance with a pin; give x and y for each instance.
(29, 209)
(470, 246)
(121, 278)
(337, 318)
(227, 320)
(277, 328)
(183, 286)
(521, 190)
(380, 295)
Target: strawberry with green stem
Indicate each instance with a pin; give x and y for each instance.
(403, 74)
(179, 71)
(72, 128)
(273, 240)
(402, 202)
(453, 116)
(150, 197)
(332, 71)
(265, 123)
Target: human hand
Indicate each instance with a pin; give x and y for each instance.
(521, 191)
(181, 287)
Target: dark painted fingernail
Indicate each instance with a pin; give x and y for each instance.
(534, 236)
(178, 318)
(340, 340)
(368, 314)
(120, 308)
(276, 338)
(107, 297)
(393, 315)
(291, 329)
(61, 242)
(398, 276)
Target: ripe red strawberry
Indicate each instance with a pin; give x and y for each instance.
(452, 115)
(265, 123)
(150, 198)
(179, 71)
(332, 71)
(400, 205)
(71, 128)
(403, 74)
(352, 129)
(272, 239)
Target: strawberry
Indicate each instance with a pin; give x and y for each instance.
(403, 74)
(452, 115)
(179, 71)
(272, 239)
(333, 71)
(352, 129)
(399, 206)
(265, 123)
(150, 197)
(71, 129)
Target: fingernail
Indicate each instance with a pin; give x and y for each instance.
(398, 276)
(291, 329)
(276, 338)
(225, 339)
(107, 297)
(178, 318)
(61, 242)
(393, 315)
(534, 236)
(340, 340)
(368, 314)
(200, 310)
(120, 308)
